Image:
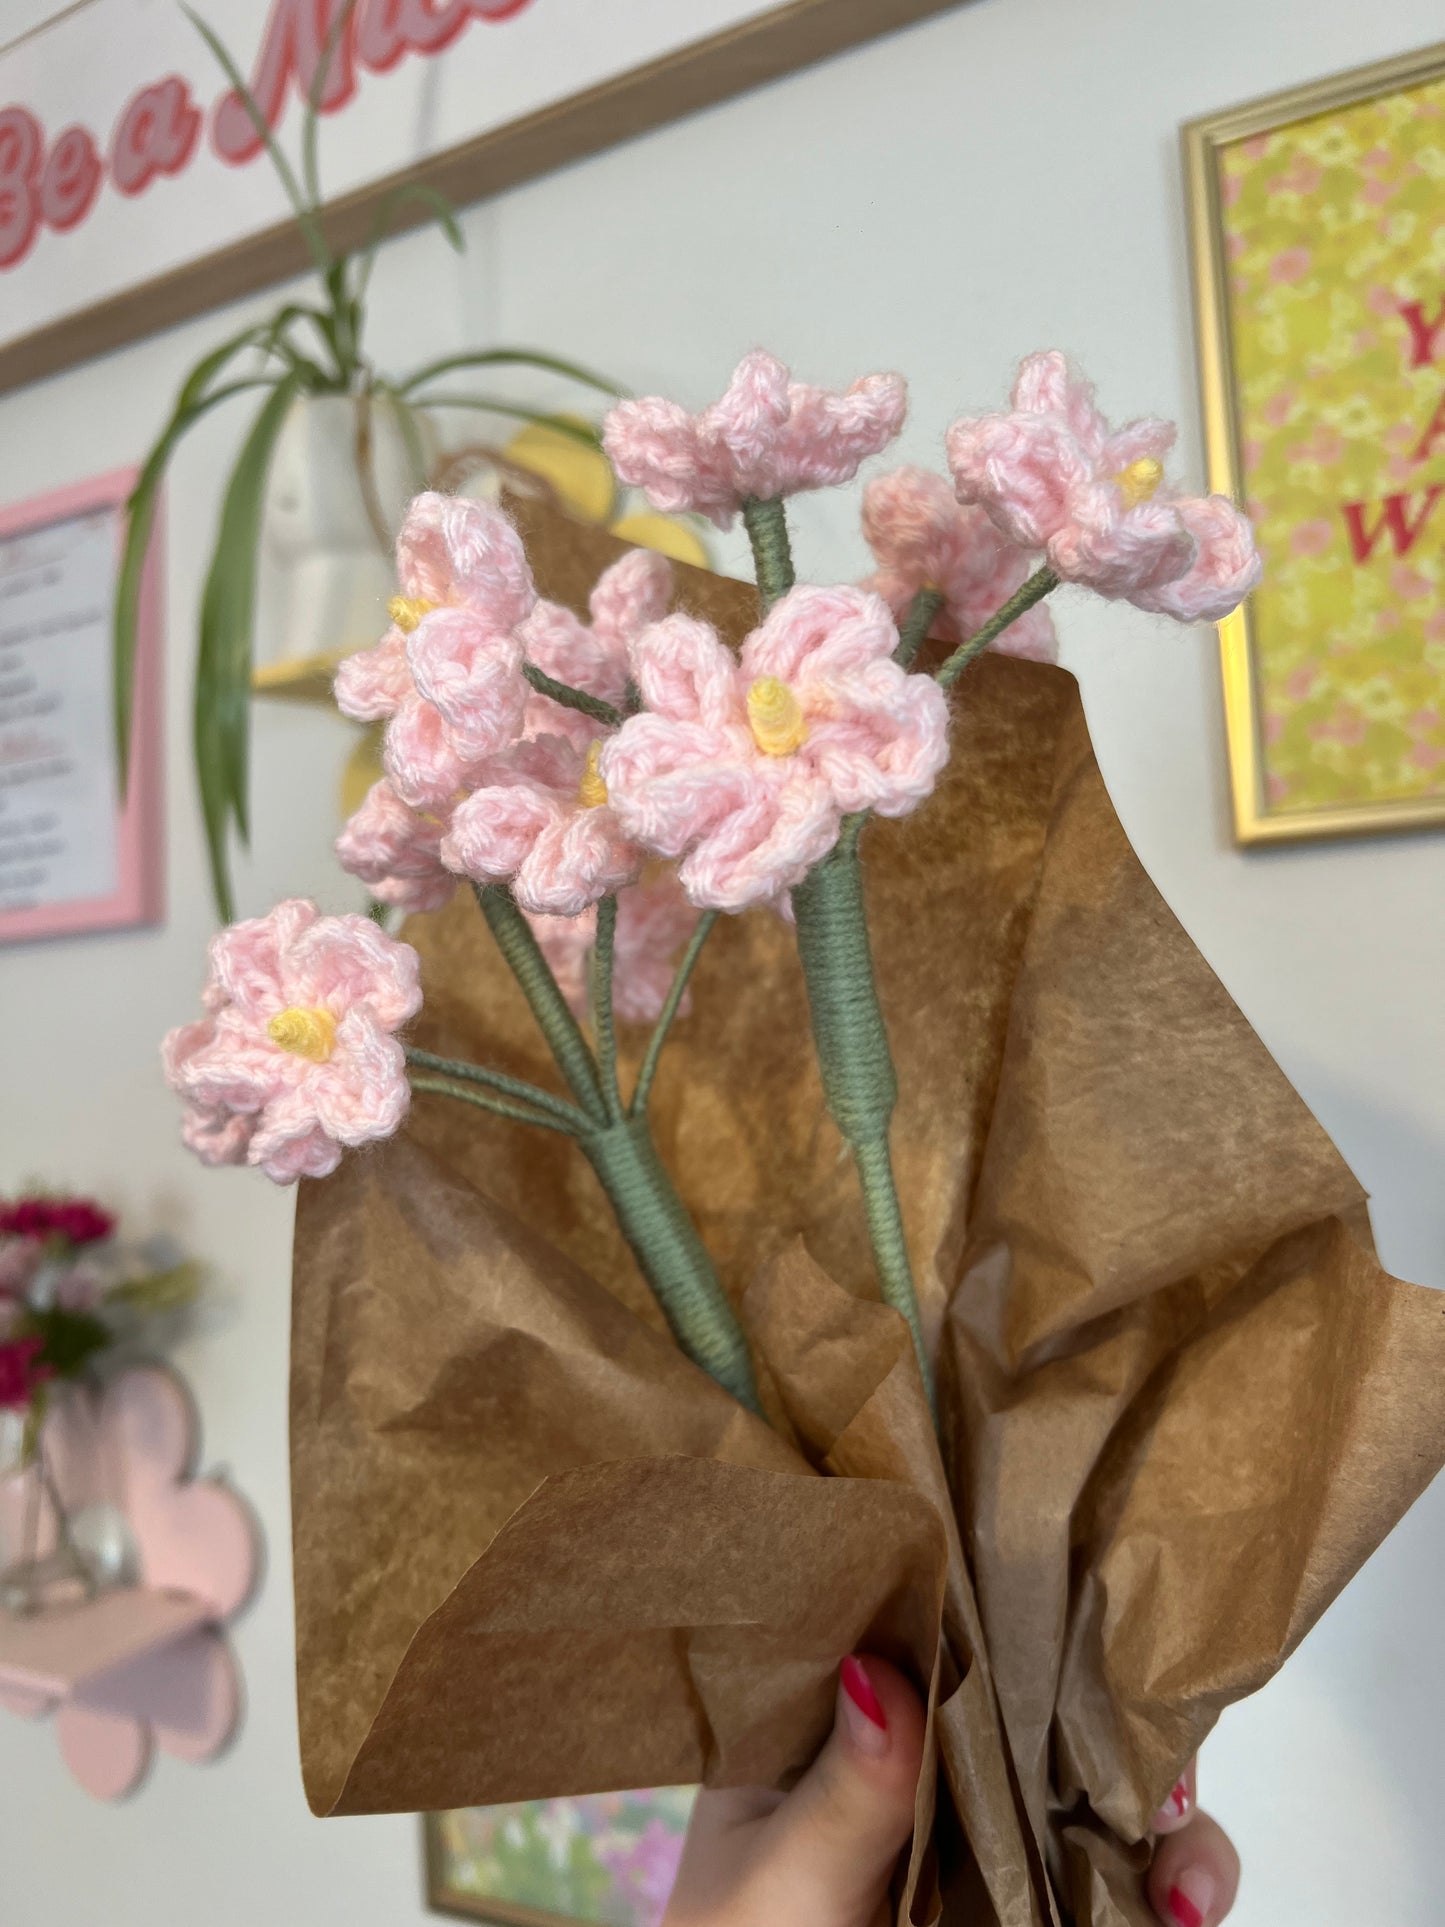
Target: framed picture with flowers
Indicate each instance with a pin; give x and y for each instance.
(1320, 297)
(608, 1858)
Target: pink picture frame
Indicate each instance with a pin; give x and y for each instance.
(138, 895)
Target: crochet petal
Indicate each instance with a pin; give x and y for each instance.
(812, 635)
(455, 550)
(347, 964)
(246, 958)
(472, 673)
(888, 760)
(767, 845)
(670, 782)
(361, 1092)
(493, 830)
(373, 683)
(655, 445)
(829, 435)
(627, 597)
(578, 858)
(1119, 551)
(1226, 567)
(421, 757)
(387, 841)
(686, 673)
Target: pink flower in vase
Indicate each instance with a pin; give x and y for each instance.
(543, 822)
(79, 1221)
(627, 597)
(745, 767)
(766, 437)
(447, 675)
(296, 1055)
(923, 537)
(1053, 476)
(654, 921)
(21, 1373)
(396, 851)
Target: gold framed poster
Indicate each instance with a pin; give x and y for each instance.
(1317, 221)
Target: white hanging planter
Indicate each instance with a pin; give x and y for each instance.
(326, 576)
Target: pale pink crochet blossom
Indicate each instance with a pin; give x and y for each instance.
(767, 436)
(654, 921)
(1054, 477)
(924, 538)
(396, 851)
(542, 821)
(627, 597)
(447, 675)
(295, 1057)
(746, 767)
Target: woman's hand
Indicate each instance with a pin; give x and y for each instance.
(824, 1854)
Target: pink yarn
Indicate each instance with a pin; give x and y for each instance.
(396, 851)
(924, 538)
(767, 436)
(625, 599)
(528, 825)
(654, 921)
(451, 690)
(248, 1095)
(688, 778)
(1048, 473)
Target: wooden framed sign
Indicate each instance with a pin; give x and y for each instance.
(1319, 253)
(133, 193)
(72, 857)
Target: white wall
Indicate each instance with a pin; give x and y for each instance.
(1001, 179)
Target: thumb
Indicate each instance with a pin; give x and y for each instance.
(834, 1842)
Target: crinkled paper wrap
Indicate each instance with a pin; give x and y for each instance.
(538, 1553)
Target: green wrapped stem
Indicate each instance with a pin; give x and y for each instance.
(532, 971)
(859, 1081)
(673, 1259)
(767, 527)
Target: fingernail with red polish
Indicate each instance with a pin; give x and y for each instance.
(1191, 1897)
(862, 1708)
(1175, 1807)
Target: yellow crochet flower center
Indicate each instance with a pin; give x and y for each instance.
(776, 717)
(1139, 480)
(406, 611)
(304, 1031)
(591, 790)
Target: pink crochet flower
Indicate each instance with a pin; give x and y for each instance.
(396, 851)
(625, 598)
(543, 822)
(747, 766)
(654, 921)
(296, 1054)
(924, 538)
(447, 675)
(1053, 477)
(768, 436)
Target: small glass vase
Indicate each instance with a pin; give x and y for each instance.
(45, 1564)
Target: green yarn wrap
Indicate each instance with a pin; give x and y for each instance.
(653, 1218)
(672, 1257)
(859, 1081)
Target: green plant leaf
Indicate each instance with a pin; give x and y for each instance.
(68, 1338)
(163, 1291)
(223, 658)
(310, 120)
(192, 402)
(305, 216)
(510, 357)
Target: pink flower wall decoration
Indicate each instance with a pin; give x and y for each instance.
(923, 537)
(447, 676)
(768, 436)
(296, 1053)
(1054, 477)
(745, 767)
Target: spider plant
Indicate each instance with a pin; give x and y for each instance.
(306, 348)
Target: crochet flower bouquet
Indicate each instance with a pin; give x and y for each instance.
(1136, 1399)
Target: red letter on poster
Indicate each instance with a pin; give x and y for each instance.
(21, 146)
(296, 35)
(1434, 430)
(70, 181)
(1424, 334)
(156, 134)
(1393, 516)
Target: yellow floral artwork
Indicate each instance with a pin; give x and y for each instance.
(1334, 259)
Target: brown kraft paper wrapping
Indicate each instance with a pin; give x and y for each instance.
(538, 1553)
